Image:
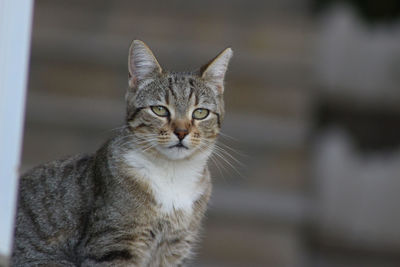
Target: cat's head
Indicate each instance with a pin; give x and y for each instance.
(174, 114)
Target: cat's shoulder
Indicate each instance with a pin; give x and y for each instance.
(56, 169)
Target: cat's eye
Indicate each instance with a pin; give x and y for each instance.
(200, 113)
(160, 111)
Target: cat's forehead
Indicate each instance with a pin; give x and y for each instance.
(178, 88)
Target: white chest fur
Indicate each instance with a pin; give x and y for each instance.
(174, 184)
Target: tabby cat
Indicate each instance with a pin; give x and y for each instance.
(139, 200)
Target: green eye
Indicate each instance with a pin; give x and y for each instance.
(200, 113)
(160, 111)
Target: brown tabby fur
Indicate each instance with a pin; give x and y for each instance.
(102, 209)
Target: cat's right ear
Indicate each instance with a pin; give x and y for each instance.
(141, 63)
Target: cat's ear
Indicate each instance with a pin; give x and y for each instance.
(141, 63)
(214, 71)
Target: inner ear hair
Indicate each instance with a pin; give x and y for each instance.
(141, 62)
(214, 71)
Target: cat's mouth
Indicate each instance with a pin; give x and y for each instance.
(179, 145)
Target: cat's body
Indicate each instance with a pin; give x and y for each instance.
(139, 200)
(95, 218)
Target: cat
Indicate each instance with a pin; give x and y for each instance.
(139, 200)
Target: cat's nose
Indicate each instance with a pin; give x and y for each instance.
(181, 133)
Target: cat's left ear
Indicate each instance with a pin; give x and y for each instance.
(141, 63)
(214, 71)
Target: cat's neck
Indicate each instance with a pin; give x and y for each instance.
(175, 184)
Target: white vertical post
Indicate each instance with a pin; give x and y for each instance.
(15, 35)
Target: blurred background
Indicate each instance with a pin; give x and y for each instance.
(313, 115)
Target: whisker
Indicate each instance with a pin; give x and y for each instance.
(229, 163)
(219, 166)
(227, 136)
(219, 153)
(118, 128)
(115, 129)
(133, 142)
(151, 146)
(223, 151)
(238, 152)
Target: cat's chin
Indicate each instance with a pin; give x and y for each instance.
(176, 152)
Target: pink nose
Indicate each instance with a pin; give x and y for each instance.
(181, 133)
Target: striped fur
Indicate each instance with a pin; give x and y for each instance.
(139, 200)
